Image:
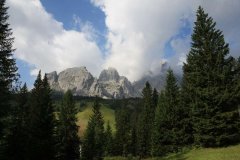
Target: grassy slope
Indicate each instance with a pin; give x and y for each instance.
(84, 115)
(228, 153)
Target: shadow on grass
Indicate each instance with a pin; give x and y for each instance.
(175, 156)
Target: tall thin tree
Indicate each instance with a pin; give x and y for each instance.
(68, 140)
(41, 122)
(8, 69)
(94, 135)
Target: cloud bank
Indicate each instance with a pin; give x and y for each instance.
(139, 34)
(42, 41)
(138, 31)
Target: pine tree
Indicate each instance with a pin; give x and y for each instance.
(159, 134)
(8, 69)
(155, 97)
(41, 122)
(166, 127)
(108, 140)
(145, 124)
(68, 140)
(122, 138)
(16, 139)
(208, 78)
(94, 135)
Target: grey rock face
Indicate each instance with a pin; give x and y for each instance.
(81, 82)
(109, 74)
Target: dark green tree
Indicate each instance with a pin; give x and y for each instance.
(41, 122)
(108, 146)
(8, 69)
(68, 140)
(155, 97)
(16, 138)
(159, 134)
(93, 141)
(122, 140)
(166, 128)
(145, 122)
(209, 82)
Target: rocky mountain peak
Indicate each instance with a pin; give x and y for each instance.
(110, 74)
(109, 84)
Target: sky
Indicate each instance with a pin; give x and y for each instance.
(134, 36)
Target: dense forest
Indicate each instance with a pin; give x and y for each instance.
(202, 111)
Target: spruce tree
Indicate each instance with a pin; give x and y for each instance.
(209, 83)
(166, 130)
(108, 146)
(93, 141)
(16, 138)
(68, 140)
(8, 69)
(145, 123)
(159, 134)
(41, 122)
(122, 140)
(155, 98)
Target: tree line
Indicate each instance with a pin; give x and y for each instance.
(201, 111)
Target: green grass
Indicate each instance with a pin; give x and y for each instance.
(84, 115)
(228, 153)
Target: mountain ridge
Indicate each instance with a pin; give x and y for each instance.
(108, 85)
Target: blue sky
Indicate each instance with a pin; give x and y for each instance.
(65, 12)
(132, 37)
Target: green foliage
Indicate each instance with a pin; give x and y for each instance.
(145, 123)
(210, 85)
(108, 144)
(8, 69)
(155, 98)
(166, 130)
(16, 137)
(68, 141)
(93, 141)
(84, 116)
(122, 138)
(41, 122)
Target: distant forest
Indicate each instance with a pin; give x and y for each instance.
(203, 111)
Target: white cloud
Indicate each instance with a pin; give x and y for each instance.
(34, 72)
(139, 30)
(43, 42)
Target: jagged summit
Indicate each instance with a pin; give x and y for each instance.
(81, 82)
(110, 74)
(109, 84)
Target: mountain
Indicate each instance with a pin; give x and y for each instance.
(109, 84)
(81, 82)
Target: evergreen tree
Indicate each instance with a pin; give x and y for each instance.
(145, 124)
(68, 140)
(159, 133)
(122, 138)
(8, 69)
(16, 139)
(108, 140)
(209, 82)
(94, 135)
(155, 98)
(41, 122)
(166, 128)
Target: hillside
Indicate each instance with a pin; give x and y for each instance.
(86, 111)
(228, 153)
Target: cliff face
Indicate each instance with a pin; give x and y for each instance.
(81, 82)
